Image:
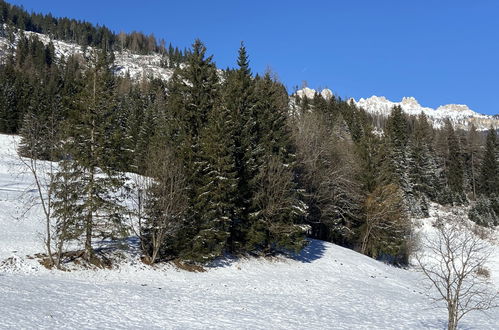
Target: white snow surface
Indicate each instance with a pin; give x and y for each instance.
(325, 287)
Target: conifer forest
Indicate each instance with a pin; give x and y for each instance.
(217, 164)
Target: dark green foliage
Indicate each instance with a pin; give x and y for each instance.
(216, 194)
(423, 172)
(232, 142)
(90, 156)
(454, 165)
(85, 33)
(398, 164)
(489, 173)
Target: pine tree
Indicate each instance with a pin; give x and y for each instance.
(489, 173)
(274, 186)
(239, 98)
(473, 160)
(424, 167)
(398, 161)
(216, 201)
(193, 94)
(89, 158)
(454, 165)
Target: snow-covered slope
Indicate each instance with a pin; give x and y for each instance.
(460, 115)
(137, 66)
(325, 287)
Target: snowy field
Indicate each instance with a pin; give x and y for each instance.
(326, 287)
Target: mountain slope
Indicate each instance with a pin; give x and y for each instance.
(126, 63)
(326, 286)
(149, 66)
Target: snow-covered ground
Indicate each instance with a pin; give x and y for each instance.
(325, 287)
(125, 63)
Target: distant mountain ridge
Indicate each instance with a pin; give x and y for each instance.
(139, 66)
(460, 115)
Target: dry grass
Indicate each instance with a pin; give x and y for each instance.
(188, 267)
(483, 272)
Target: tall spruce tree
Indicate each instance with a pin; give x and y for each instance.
(216, 194)
(89, 159)
(239, 99)
(398, 161)
(489, 172)
(473, 159)
(423, 172)
(275, 205)
(454, 163)
(193, 94)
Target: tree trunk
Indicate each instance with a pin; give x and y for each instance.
(88, 238)
(452, 324)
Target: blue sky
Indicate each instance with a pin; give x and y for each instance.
(437, 51)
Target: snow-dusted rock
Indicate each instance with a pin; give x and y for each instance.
(460, 115)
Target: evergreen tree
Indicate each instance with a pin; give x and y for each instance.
(193, 94)
(89, 161)
(454, 165)
(216, 201)
(239, 99)
(274, 160)
(398, 163)
(489, 173)
(423, 172)
(473, 159)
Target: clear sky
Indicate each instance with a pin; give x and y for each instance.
(439, 51)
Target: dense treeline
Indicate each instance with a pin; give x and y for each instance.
(81, 32)
(219, 162)
(363, 184)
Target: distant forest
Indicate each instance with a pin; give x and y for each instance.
(229, 162)
(82, 33)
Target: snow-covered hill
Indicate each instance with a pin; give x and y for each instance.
(459, 114)
(325, 287)
(135, 65)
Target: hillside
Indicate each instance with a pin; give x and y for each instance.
(326, 286)
(139, 66)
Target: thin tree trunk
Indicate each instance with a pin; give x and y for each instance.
(473, 174)
(89, 220)
(452, 318)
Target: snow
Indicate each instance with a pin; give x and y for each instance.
(135, 65)
(460, 115)
(326, 286)
(306, 92)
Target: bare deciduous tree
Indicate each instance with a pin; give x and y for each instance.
(328, 172)
(453, 261)
(165, 201)
(385, 220)
(41, 171)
